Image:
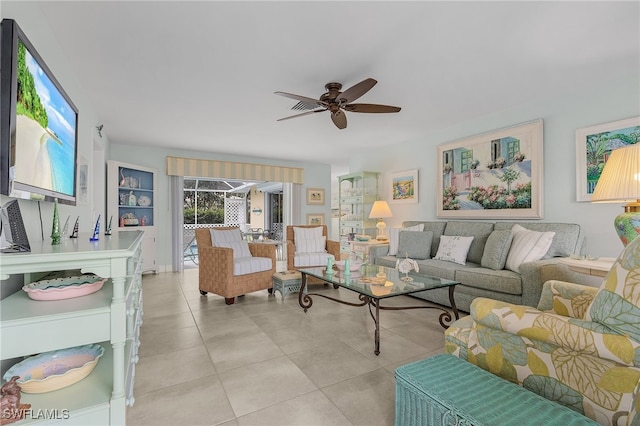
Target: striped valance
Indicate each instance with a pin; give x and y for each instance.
(177, 166)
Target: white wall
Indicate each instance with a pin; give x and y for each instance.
(38, 30)
(315, 176)
(609, 101)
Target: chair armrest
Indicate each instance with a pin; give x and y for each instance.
(291, 252)
(216, 263)
(575, 335)
(333, 247)
(263, 250)
(567, 299)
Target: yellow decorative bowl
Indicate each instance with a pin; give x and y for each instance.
(55, 370)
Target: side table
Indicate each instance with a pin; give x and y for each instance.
(598, 267)
(361, 248)
(287, 282)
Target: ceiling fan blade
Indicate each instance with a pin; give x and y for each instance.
(355, 91)
(339, 118)
(303, 99)
(300, 115)
(371, 108)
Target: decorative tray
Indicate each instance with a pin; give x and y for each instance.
(64, 288)
(55, 370)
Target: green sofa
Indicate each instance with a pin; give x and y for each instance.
(523, 287)
(580, 347)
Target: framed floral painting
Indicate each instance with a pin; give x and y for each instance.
(495, 175)
(315, 219)
(593, 148)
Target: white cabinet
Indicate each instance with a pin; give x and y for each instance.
(131, 195)
(356, 192)
(110, 317)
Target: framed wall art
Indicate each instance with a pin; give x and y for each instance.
(495, 175)
(315, 219)
(404, 187)
(315, 196)
(593, 148)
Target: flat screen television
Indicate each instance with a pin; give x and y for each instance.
(38, 124)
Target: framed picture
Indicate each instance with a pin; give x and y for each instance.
(315, 219)
(593, 148)
(315, 196)
(404, 187)
(83, 181)
(495, 175)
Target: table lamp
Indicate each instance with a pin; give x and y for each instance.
(380, 210)
(618, 183)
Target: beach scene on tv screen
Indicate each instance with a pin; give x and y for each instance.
(45, 130)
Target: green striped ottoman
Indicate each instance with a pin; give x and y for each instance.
(445, 390)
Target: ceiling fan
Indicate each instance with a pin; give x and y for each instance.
(336, 101)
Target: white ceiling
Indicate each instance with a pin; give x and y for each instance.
(201, 75)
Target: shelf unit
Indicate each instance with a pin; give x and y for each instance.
(110, 317)
(131, 196)
(356, 192)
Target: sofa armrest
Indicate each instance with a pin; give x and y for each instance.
(567, 299)
(535, 274)
(377, 251)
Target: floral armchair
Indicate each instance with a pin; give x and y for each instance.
(580, 348)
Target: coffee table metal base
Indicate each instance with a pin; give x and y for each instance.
(445, 319)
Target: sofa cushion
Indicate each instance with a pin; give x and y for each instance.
(388, 261)
(437, 227)
(303, 260)
(250, 265)
(480, 231)
(503, 281)
(567, 241)
(441, 268)
(225, 235)
(496, 250)
(454, 249)
(415, 245)
(527, 246)
(240, 248)
(394, 237)
(311, 245)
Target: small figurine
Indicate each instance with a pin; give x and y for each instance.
(10, 408)
(55, 228)
(96, 231)
(108, 230)
(74, 233)
(65, 228)
(132, 199)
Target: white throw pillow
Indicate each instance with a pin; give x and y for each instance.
(309, 240)
(527, 246)
(225, 235)
(240, 248)
(314, 245)
(454, 248)
(394, 237)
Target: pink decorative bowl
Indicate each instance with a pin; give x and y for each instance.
(64, 288)
(355, 266)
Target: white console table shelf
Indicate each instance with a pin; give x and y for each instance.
(110, 317)
(598, 267)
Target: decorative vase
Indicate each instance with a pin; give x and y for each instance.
(55, 228)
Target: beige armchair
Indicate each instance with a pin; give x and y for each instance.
(306, 259)
(222, 273)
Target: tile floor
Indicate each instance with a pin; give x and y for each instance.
(263, 361)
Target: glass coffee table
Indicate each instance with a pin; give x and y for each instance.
(375, 283)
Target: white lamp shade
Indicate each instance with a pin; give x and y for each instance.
(380, 210)
(620, 178)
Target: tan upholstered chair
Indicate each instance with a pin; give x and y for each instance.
(216, 268)
(331, 248)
